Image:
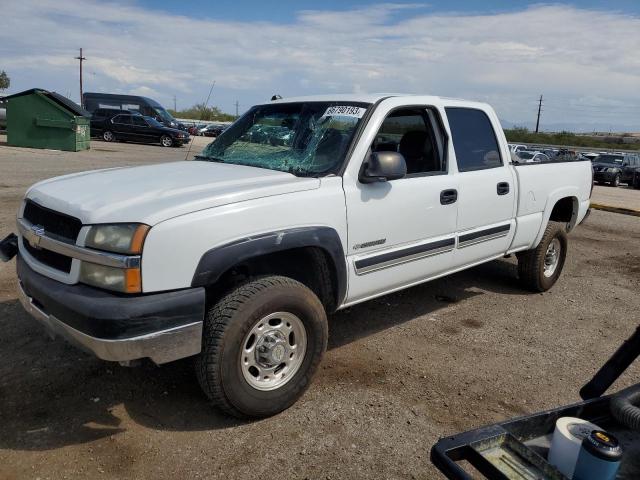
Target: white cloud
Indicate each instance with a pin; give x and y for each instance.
(587, 63)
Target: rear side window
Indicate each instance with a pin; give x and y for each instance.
(138, 121)
(474, 140)
(123, 119)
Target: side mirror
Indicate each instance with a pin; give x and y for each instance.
(382, 167)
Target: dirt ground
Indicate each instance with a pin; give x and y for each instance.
(400, 372)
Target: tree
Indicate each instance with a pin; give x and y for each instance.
(5, 81)
(201, 112)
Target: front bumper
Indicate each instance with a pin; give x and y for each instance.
(162, 327)
(604, 176)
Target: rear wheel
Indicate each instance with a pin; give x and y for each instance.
(261, 345)
(540, 268)
(108, 136)
(166, 141)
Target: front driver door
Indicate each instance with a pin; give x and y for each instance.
(402, 232)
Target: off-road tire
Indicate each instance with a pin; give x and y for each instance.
(227, 322)
(531, 262)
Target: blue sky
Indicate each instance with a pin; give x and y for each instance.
(583, 56)
(285, 11)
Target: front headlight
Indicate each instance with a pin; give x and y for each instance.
(122, 238)
(611, 169)
(126, 238)
(125, 280)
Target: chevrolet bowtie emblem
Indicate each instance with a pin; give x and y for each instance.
(37, 232)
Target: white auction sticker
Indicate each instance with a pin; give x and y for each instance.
(344, 111)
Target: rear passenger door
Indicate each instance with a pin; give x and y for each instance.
(141, 131)
(486, 185)
(121, 126)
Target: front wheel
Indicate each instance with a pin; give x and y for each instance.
(108, 136)
(616, 181)
(261, 345)
(540, 267)
(166, 141)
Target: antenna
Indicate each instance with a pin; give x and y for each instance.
(206, 104)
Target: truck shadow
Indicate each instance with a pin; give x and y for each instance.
(52, 395)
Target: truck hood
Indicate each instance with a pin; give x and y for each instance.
(153, 193)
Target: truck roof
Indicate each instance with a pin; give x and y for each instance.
(372, 98)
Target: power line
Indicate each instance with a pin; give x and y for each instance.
(82, 59)
(539, 112)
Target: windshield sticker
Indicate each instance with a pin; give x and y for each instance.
(344, 111)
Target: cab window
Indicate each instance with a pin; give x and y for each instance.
(474, 139)
(410, 132)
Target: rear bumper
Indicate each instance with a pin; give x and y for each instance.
(162, 327)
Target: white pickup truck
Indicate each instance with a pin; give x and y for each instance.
(302, 207)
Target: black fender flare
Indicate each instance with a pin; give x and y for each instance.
(218, 260)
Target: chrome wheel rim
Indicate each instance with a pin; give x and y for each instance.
(166, 141)
(552, 257)
(108, 136)
(273, 351)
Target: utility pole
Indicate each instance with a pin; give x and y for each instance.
(237, 104)
(81, 58)
(539, 111)
(175, 108)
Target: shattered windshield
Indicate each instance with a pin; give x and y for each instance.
(305, 138)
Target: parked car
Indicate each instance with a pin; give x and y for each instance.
(566, 155)
(212, 130)
(100, 115)
(138, 128)
(517, 148)
(590, 155)
(236, 258)
(552, 153)
(193, 129)
(531, 157)
(617, 168)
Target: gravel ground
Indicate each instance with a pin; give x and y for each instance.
(621, 197)
(400, 372)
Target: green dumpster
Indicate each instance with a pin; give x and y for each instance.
(37, 118)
